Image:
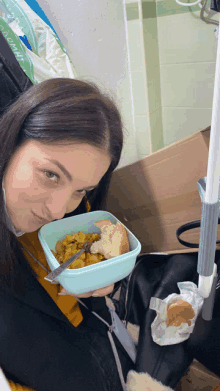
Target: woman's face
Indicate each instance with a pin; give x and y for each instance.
(44, 182)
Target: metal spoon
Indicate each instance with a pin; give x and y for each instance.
(51, 276)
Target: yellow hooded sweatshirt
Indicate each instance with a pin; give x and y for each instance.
(67, 304)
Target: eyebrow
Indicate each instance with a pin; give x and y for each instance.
(67, 174)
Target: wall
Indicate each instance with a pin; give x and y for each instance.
(94, 34)
(163, 84)
(145, 71)
(173, 55)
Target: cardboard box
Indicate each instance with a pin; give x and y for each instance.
(156, 195)
(198, 378)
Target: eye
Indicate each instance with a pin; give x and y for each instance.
(82, 192)
(52, 176)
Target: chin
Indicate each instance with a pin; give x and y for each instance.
(32, 227)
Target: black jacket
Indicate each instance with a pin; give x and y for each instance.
(39, 346)
(13, 80)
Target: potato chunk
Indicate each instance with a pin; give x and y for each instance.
(74, 243)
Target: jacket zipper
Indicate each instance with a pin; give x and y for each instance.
(126, 295)
(127, 289)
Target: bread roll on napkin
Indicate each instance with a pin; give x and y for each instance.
(179, 312)
(176, 314)
(113, 242)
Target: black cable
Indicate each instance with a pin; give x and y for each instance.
(187, 227)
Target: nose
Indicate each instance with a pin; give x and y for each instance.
(57, 206)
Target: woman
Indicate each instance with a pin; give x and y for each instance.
(60, 142)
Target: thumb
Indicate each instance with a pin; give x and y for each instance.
(63, 292)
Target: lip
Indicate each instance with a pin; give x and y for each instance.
(41, 218)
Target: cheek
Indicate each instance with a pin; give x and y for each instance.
(24, 189)
(23, 171)
(21, 179)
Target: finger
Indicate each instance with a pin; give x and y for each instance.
(84, 295)
(103, 291)
(63, 292)
(98, 293)
(55, 281)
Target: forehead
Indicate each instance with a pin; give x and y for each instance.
(78, 158)
(61, 149)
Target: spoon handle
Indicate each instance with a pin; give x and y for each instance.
(51, 276)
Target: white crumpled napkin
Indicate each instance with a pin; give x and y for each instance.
(171, 335)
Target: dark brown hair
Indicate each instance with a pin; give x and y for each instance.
(57, 111)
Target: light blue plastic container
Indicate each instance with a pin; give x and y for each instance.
(88, 278)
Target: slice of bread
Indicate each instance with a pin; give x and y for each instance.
(114, 240)
(120, 237)
(103, 223)
(179, 312)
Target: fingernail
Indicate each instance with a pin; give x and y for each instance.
(95, 295)
(62, 294)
